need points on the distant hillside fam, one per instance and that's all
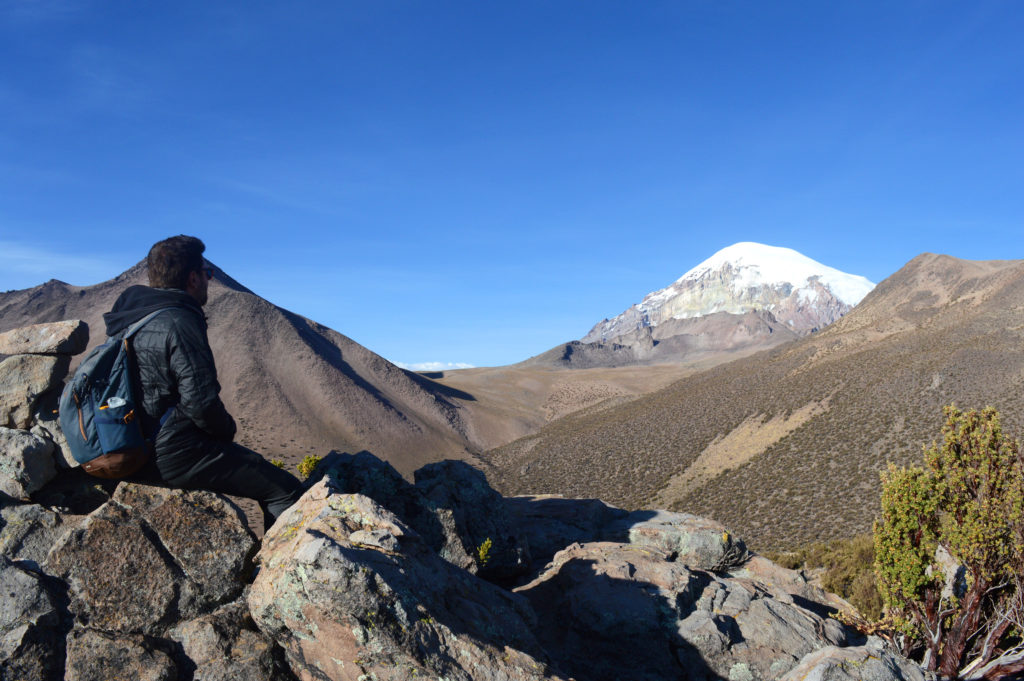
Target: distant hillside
(713, 338)
(295, 387)
(785, 446)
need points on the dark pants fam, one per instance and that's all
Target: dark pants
(239, 472)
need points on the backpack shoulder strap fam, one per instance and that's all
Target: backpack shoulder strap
(142, 322)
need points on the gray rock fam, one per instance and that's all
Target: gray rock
(26, 463)
(69, 337)
(494, 547)
(204, 533)
(609, 610)
(48, 427)
(152, 556)
(347, 611)
(226, 645)
(454, 516)
(31, 643)
(29, 531)
(23, 379)
(365, 474)
(871, 662)
(698, 542)
(101, 656)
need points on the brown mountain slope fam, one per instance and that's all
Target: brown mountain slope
(294, 386)
(785, 446)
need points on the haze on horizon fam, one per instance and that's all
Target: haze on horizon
(475, 184)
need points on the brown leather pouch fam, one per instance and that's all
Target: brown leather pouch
(117, 465)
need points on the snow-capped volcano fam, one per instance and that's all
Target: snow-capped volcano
(747, 277)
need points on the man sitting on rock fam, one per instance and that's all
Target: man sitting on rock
(178, 385)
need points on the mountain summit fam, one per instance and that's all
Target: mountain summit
(746, 277)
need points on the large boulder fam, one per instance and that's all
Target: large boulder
(102, 656)
(26, 463)
(226, 645)
(696, 542)
(31, 640)
(153, 556)
(493, 546)
(609, 610)
(68, 337)
(366, 474)
(870, 662)
(352, 592)
(451, 507)
(23, 379)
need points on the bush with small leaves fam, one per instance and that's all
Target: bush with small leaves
(949, 550)
(307, 465)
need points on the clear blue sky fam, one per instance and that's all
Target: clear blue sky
(479, 181)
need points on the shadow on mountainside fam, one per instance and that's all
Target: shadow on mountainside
(332, 354)
(423, 380)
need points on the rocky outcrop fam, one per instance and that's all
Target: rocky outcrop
(31, 378)
(153, 582)
(451, 507)
(482, 528)
(69, 337)
(678, 587)
(369, 576)
(179, 554)
(871, 662)
(350, 591)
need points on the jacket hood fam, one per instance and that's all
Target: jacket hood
(138, 301)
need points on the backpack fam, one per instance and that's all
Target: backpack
(98, 410)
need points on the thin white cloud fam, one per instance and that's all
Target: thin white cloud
(23, 266)
(39, 11)
(434, 366)
(105, 80)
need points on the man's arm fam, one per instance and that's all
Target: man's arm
(191, 363)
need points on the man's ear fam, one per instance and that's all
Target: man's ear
(193, 281)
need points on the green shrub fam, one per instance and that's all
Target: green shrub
(967, 504)
(847, 569)
(277, 462)
(483, 552)
(307, 465)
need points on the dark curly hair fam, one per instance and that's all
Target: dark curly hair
(170, 261)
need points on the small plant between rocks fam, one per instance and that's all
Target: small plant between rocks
(307, 465)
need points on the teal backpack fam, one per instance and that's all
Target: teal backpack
(99, 411)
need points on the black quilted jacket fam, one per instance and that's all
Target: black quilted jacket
(176, 371)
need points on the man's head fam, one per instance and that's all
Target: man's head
(178, 263)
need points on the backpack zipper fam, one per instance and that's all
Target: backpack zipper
(81, 424)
